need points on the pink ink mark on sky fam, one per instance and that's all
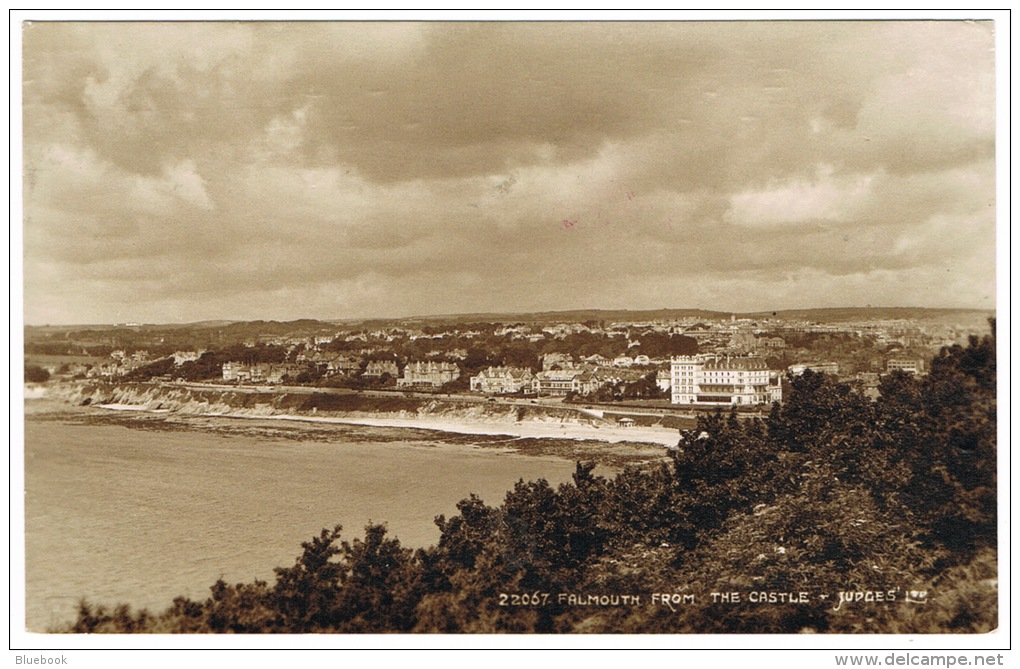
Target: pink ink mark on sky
(567, 224)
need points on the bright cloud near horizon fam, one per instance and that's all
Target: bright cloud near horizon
(179, 172)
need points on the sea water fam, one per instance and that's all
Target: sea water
(115, 514)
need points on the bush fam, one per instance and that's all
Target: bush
(36, 374)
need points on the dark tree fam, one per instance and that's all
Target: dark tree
(36, 374)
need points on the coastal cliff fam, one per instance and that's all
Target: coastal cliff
(259, 403)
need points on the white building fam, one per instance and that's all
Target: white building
(181, 357)
(261, 372)
(564, 381)
(720, 381)
(233, 370)
(819, 367)
(909, 366)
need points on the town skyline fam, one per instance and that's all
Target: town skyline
(564, 315)
(186, 172)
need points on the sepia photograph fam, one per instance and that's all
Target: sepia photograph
(511, 327)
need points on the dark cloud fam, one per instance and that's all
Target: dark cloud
(210, 170)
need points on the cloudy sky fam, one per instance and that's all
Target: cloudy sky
(186, 171)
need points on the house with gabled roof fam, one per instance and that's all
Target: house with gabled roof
(428, 374)
(564, 381)
(377, 368)
(344, 365)
(502, 380)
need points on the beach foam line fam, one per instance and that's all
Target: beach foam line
(523, 429)
(34, 392)
(131, 407)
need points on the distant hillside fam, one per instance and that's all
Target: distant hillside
(309, 326)
(572, 316)
(836, 314)
(823, 315)
(278, 328)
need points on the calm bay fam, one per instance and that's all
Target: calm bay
(115, 514)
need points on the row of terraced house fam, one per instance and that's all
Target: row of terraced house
(706, 380)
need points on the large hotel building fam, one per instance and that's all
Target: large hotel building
(720, 381)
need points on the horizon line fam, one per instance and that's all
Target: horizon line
(498, 314)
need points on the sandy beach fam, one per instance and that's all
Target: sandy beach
(521, 429)
(609, 445)
(508, 421)
(527, 429)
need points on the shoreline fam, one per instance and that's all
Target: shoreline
(614, 448)
(664, 437)
(522, 430)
